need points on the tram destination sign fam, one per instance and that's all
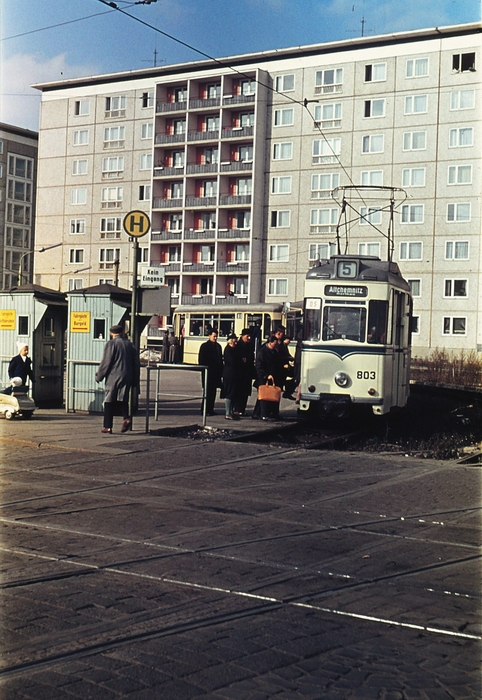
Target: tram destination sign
(343, 290)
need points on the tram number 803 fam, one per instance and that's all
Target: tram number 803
(366, 375)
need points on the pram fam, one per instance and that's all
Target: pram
(15, 401)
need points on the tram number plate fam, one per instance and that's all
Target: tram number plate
(366, 375)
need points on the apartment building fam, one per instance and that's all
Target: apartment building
(18, 172)
(236, 162)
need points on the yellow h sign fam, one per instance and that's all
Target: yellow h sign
(136, 223)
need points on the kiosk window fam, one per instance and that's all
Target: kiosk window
(99, 328)
(23, 325)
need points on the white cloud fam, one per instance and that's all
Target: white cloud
(19, 104)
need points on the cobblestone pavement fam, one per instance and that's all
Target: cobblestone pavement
(147, 567)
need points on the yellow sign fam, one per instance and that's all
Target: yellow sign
(7, 319)
(136, 223)
(80, 321)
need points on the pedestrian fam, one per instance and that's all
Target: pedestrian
(231, 376)
(165, 348)
(286, 360)
(268, 367)
(21, 365)
(173, 349)
(211, 355)
(245, 350)
(120, 368)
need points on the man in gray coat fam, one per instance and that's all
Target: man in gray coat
(120, 368)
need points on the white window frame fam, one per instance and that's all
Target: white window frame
(241, 252)
(457, 173)
(147, 99)
(279, 252)
(321, 251)
(281, 184)
(415, 67)
(325, 83)
(145, 161)
(370, 215)
(76, 256)
(82, 107)
(112, 166)
(107, 257)
(284, 116)
(459, 213)
(277, 286)
(457, 250)
(280, 149)
(80, 166)
(112, 196)
(415, 104)
(144, 193)
(370, 248)
(415, 287)
(413, 139)
(80, 137)
(375, 72)
(285, 83)
(77, 226)
(327, 115)
(460, 134)
(370, 143)
(280, 218)
(324, 220)
(114, 136)
(412, 214)
(75, 283)
(459, 97)
(147, 131)
(458, 62)
(78, 196)
(326, 150)
(449, 288)
(409, 177)
(408, 250)
(115, 105)
(110, 227)
(323, 184)
(372, 177)
(450, 325)
(374, 108)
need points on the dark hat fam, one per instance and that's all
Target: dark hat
(245, 331)
(116, 329)
(232, 336)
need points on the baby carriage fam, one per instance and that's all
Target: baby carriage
(15, 401)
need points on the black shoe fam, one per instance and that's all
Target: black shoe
(212, 413)
(288, 396)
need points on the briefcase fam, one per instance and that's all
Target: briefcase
(269, 391)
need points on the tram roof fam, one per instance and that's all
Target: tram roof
(228, 308)
(370, 269)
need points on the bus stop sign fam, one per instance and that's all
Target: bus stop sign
(136, 223)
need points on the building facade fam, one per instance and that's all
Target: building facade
(236, 162)
(18, 174)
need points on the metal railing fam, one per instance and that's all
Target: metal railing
(187, 397)
(71, 390)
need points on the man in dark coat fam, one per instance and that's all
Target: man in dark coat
(248, 371)
(211, 355)
(21, 365)
(269, 364)
(120, 368)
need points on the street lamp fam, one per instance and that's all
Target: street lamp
(72, 272)
(29, 252)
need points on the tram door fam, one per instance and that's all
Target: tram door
(400, 359)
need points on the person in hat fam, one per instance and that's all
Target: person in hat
(231, 376)
(21, 365)
(120, 367)
(247, 373)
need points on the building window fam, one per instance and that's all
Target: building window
(78, 196)
(455, 288)
(281, 184)
(113, 166)
(458, 212)
(280, 219)
(415, 287)
(370, 215)
(77, 226)
(20, 191)
(115, 106)
(175, 222)
(463, 62)
(460, 137)
(372, 177)
(114, 136)
(416, 104)
(415, 326)
(321, 251)
(284, 117)
(241, 252)
(454, 325)
(243, 220)
(111, 197)
(20, 167)
(413, 177)
(414, 140)
(283, 151)
(179, 126)
(369, 249)
(23, 325)
(373, 143)
(110, 227)
(147, 99)
(277, 286)
(82, 107)
(279, 252)
(107, 257)
(248, 87)
(243, 186)
(322, 184)
(240, 286)
(146, 161)
(147, 130)
(326, 151)
(81, 137)
(324, 220)
(207, 221)
(174, 253)
(75, 283)
(79, 167)
(144, 193)
(412, 213)
(460, 175)
(285, 83)
(375, 72)
(374, 108)
(456, 250)
(462, 99)
(76, 256)
(206, 253)
(328, 81)
(411, 250)
(416, 68)
(328, 116)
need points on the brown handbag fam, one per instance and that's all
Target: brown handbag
(269, 392)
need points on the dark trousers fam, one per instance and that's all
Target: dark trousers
(113, 407)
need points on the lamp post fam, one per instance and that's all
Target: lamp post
(29, 252)
(72, 272)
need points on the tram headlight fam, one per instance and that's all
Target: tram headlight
(342, 379)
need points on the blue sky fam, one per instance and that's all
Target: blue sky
(108, 41)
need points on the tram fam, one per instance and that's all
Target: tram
(193, 323)
(356, 336)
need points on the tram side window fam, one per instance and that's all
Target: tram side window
(226, 325)
(196, 325)
(345, 323)
(377, 322)
(312, 319)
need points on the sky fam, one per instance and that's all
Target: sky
(48, 40)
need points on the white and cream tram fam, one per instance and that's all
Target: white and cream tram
(356, 336)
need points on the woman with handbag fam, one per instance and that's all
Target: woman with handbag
(270, 378)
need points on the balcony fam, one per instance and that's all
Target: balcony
(171, 107)
(236, 165)
(205, 104)
(238, 132)
(161, 203)
(232, 267)
(203, 135)
(199, 234)
(197, 299)
(235, 200)
(238, 99)
(161, 171)
(170, 138)
(166, 236)
(200, 201)
(171, 267)
(207, 267)
(200, 169)
(237, 233)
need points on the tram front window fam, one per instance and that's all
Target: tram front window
(344, 323)
(377, 322)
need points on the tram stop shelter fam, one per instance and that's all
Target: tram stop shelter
(36, 316)
(91, 312)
